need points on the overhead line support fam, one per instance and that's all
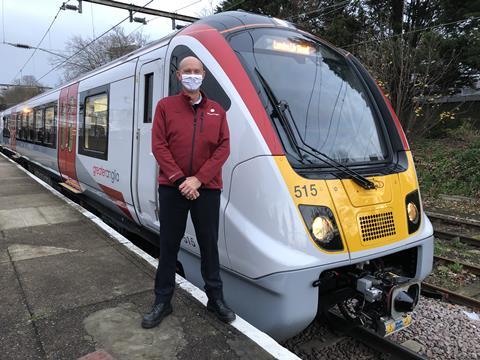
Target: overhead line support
(144, 10)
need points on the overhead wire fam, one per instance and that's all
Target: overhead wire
(335, 7)
(3, 19)
(40, 42)
(188, 5)
(233, 5)
(409, 32)
(91, 42)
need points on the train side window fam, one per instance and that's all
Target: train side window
(94, 133)
(31, 130)
(18, 122)
(63, 124)
(19, 125)
(6, 124)
(148, 98)
(71, 115)
(210, 85)
(49, 129)
(24, 126)
(38, 126)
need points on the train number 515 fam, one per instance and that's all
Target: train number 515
(301, 191)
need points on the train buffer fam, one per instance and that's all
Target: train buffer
(69, 290)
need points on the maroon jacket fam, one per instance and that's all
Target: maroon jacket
(188, 142)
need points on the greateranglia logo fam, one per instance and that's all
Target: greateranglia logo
(113, 175)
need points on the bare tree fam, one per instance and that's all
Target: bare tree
(26, 88)
(207, 10)
(87, 55)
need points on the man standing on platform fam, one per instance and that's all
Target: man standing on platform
(190, 140)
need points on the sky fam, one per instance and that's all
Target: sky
(26, 21)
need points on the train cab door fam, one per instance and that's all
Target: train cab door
(67, 136)
(150, 91)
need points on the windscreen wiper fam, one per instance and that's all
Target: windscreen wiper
(280, 108)
(280, 115)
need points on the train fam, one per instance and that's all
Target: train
(320, 209)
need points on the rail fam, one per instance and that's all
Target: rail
(371, 339)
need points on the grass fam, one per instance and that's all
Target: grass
(449, 165)
(457, 251)
(455, 268)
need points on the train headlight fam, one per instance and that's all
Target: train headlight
(413, 211)
(322, 227)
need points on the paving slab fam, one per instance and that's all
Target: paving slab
(17, 179)
(20, 218)
(14, 310)
(31, 200)
(79, 278)
(189, 333)
(34, 216)
(80, 235)
(4, 255)
(20, 252)
(8, 171)
(18, 188)
(20, 343)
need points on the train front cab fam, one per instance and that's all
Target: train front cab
(299, 234)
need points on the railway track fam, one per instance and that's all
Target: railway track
(470, 226)
(454, 220)
(451, 295)
(388, 348)
(450, 227)
(447, 235)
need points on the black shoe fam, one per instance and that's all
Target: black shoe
(156, 315)
(221, 310)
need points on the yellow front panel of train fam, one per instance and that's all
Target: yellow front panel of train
(366, 218)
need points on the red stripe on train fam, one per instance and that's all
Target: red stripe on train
(117, 198)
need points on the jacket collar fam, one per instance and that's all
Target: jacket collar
(187, 98)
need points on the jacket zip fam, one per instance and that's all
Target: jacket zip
(193, 141)
(201, 122)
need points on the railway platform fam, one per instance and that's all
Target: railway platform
(70, 290)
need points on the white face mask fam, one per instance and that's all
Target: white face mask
(192, 82)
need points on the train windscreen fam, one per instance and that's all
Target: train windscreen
(323, 99)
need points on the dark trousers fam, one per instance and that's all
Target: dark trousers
(174, 208)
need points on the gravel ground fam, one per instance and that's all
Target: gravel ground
(442, 330)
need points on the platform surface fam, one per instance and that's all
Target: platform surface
(69, 291)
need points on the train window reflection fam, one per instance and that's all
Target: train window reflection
(49, 138)
(38, 128)
(18, 120)
(30, 129)
(96, 123)
(6, 126)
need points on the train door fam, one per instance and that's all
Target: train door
(150, 91)
(67, 135)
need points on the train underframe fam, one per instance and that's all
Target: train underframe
(378, 294)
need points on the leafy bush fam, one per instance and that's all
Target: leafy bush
(450, 165)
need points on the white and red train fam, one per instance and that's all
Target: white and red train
(320, 205)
